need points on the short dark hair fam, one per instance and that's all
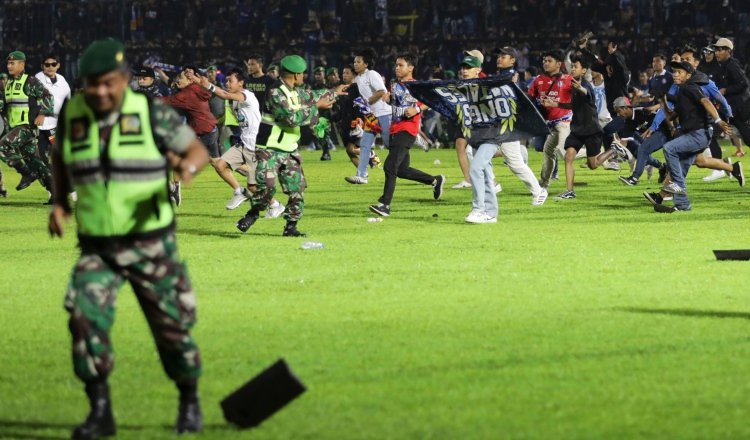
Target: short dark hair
(348, 66)
(367, 55)
(661, 56)
(239, 74)
(585, 62)
(690, 49)
(257, 57)
(409, 58)
(52, 56)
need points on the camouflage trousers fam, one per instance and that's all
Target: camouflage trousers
(20, 145)
(161, 284)
(287, 169)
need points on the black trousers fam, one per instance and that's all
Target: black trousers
(44, 147)
(397, 164)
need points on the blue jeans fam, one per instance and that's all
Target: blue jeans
(680, 153)
(654, 143)
(368, 140)
(482, 180)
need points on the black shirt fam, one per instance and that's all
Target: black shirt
(730, 76)
(260, 87)
(687, 103)
(585, 116)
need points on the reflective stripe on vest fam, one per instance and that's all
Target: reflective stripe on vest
(122, 187)
(17, 101)
(280, 137)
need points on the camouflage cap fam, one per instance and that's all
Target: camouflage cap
(17, 55)
(101, 57)
(272, 67)
(320, 69)
(293, 64)
(331, 71)
(212, 67)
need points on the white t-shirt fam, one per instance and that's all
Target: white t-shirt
(247, 113)
(60, 91)
(369, 82)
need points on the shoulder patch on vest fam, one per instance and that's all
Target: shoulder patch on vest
(79, 129)
(130, 123)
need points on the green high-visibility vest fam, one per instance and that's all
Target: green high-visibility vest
(17, 101)
(280, 137)
(229, 118)
(122, 186)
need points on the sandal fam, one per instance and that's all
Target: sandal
(739, 153)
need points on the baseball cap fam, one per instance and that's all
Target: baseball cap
(331, 71)
(684, 65)
(272, 67)
(319, 69)
(476, 54)
(471, 61)
(145, 72)
(724, 42)
(212, 67)
(708, 49)
(622, 101)
(507, 50)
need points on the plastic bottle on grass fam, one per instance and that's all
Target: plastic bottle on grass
(311, 245)
(374, 219)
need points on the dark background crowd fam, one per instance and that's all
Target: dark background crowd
(328, 31)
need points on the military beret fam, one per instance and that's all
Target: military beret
(101, 57)
(293, 64)
(331, 71)
(17, 55)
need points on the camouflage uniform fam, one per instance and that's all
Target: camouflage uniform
(282, 165)
(19, 146)
(158, 277)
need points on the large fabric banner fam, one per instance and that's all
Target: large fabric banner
(481, 102)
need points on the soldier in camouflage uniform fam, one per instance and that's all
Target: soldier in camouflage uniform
(125, 229)
(290, 106)
(26, 102)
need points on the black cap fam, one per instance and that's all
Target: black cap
(556, 54)
(145, 72)
(262, 396)
(684, 65)
(507, 50)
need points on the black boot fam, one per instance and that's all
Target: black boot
(100, 422)
(248, 220)
(189, 417)
(290, 230)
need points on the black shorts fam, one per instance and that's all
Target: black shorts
(592, 142)
(454, 130)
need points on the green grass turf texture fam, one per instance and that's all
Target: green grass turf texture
(589, 318)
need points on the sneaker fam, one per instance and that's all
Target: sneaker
(620, 151)
(479, 217)
(673, 188)
(715, 175)
(611, 165)
(539, 198)
(649, 171)
(653, 198)
(738, 174)
(437, 187)
(667, 209)
(325, 156)
(461, 185)
(374, 161)
(356, 180)
(245, 222)
(275, 211)
(630, 181)
(728, 160)
(3, 192)
(498, 188)
(381, 209)
(567, 195)
(662, 173)
(26, 181)
(237, 200)
(176, 194)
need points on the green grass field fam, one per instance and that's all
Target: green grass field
(593, 318)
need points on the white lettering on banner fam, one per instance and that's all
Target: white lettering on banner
(480, 105)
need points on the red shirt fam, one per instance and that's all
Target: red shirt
(559, 89)
(401, 99)
(193, 102)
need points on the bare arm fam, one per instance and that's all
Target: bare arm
(377, 96)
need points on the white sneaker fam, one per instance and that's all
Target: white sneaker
(479, 217)
(715, 175)
(611, 165)
(498, 188)
(236, 200)
(539, 199)
(275, 211)
(461, 185)
(356, 180)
